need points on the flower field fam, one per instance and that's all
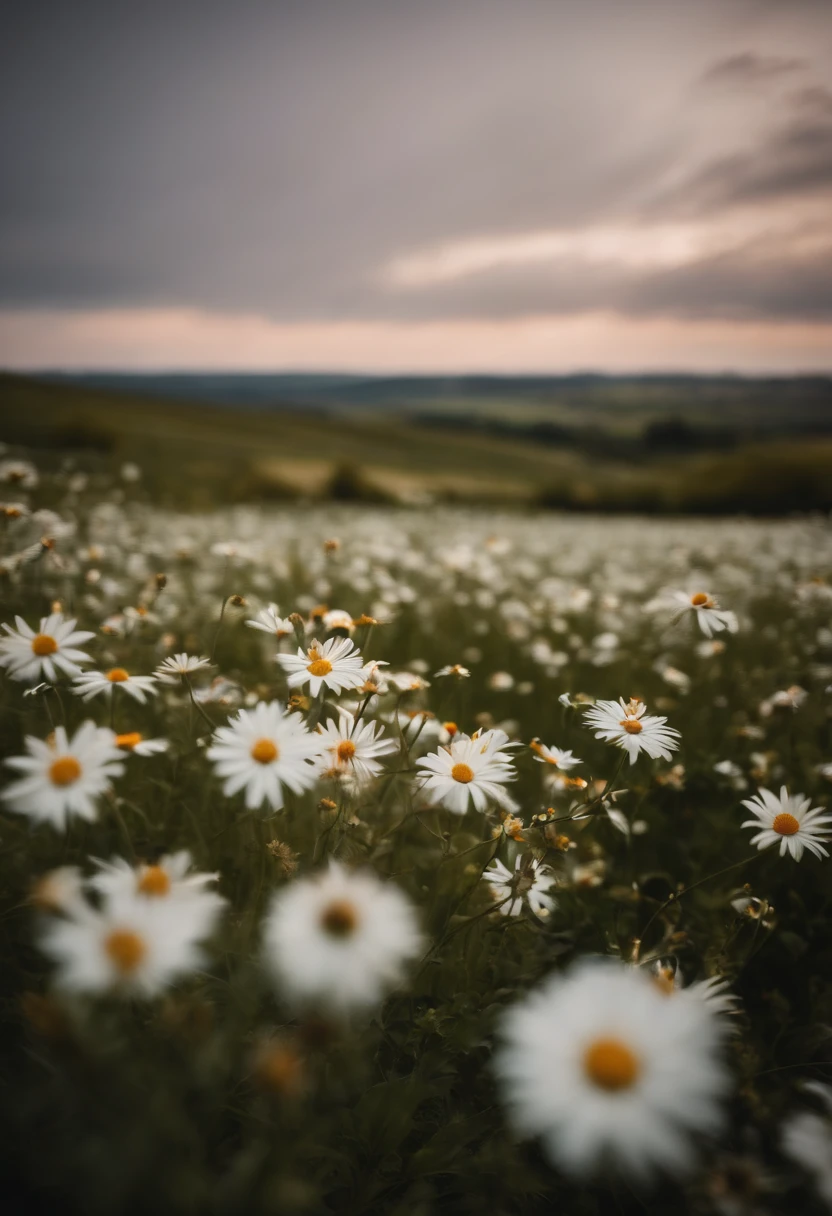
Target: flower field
(376, 860)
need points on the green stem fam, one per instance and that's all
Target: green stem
(676, 896)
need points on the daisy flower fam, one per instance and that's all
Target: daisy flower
(335, 664)
(133, 947)
(170, 878)
(261, 751)
(554, 755)
(714, 991)
(709, 616)
(339, 939)
(628, 726)
(807, 1140)
(455, 669)
(786, 820)
(269, 620)
(133, 741)
(180, 665)
(529, 883)
(468, 770)
(53, 650)
(62, 776)
(93, 683)
(338, 618)
(18, 473)
(355, 750)
(609, 1072)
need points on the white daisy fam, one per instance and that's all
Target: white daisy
(339, 939)
(53, 650)
(18, 473)
(270, 621)
(95, 683)
(133, 741)
(554, 755)
(335, 664)
(355, 750)
(710, 617)
(338, 618)
(807, 1139)
(714, 991)
(628, 726)
(609, 1072)
(529, 883)
(455, 669)
(170, 878)
(180, 665)
(262, 750)
(63, 777)
(134, 947)
(469, 770)
(787, 821)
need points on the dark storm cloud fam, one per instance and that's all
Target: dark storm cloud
(277, 158)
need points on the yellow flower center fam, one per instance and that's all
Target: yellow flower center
(631, 725)
(339, 919)
(700, 600)
(611, 1064)
(125, 949)
(117, 675)
(128, 741)
(462, 773)
(346, 750)
(785, 824)
(319, 667)
(64, 771)
(154, 881)
(264, 751)
(43, 645)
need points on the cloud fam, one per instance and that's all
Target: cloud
(327, 164)
(748, 68)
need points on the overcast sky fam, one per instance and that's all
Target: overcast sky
(417, 184)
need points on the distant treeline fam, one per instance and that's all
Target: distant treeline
(660, 437)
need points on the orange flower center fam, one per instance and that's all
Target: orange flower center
(339, 919)
(154, 881)
(64, 771)
(117, 675)
(125, 949)
(346, 750)
(128, 741)
(611, 1064)
(264, 751)
(785, 824)
(462, 773)
(43, 645)
(700, 600)
(631, 725)
(319, 667)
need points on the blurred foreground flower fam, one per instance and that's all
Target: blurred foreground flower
(339, 939)
(610, 1073)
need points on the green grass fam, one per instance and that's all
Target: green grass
(195, 456)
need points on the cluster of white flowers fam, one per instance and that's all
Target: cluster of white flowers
(614, 1066)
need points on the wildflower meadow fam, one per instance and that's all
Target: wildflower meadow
(411, 859)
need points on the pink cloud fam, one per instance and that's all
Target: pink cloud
(148, 339)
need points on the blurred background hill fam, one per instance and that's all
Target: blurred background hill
(688, 444)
